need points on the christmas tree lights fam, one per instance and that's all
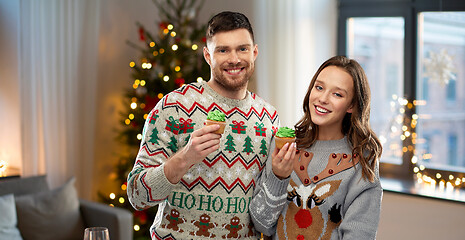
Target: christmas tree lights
(169, 58)
(433, 179)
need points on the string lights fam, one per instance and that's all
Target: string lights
(434, 180)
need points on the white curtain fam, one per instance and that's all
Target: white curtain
(294, 37)
(58, 74)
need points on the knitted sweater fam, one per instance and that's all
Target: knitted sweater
(325, 197)
(212, 199)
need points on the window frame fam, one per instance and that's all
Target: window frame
(409, 10)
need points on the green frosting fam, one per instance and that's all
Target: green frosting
(216, 116)
(285, 132)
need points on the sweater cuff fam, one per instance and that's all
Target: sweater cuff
(160, 186)
(275, 187)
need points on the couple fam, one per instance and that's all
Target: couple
(237, 185)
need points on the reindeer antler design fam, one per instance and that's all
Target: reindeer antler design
(301, 162)
(337, 163)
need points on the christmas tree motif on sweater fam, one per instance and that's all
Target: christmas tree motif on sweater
(154, 137)
(187, 139)
(237, 127)
(263, 149)
(260, 130)
(230, 144)
(173, 144)
(248, 146)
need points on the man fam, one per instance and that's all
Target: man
(201, 181)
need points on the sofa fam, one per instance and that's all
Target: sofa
(34, 211)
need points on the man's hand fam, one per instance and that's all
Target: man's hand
(283, 160)
(201, 143)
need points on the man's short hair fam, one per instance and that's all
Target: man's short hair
(228, 21)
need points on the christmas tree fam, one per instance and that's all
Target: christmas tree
(169, 57)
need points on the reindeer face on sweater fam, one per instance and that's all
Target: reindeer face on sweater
(303, 219)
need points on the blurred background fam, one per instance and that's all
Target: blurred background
(78, 78)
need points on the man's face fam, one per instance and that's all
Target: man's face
(231, 56)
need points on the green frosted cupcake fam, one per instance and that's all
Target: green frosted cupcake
(284, 135)
(216, 117)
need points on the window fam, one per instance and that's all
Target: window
(377, 43)
(413, 53)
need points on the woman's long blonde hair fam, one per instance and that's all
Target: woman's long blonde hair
(356, 125)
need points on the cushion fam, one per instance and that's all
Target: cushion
(50, 214)
(21, 186)
(8, 220)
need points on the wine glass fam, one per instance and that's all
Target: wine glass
(96, 233)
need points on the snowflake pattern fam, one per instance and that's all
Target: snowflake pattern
(203, 100)
(220, 169)
(246, 176)
(439, 67)
(229, 175)
(199, 169)
(188, 176)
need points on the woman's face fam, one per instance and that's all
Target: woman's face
(331, 98)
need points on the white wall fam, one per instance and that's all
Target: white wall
(406, 217)
(295, 38)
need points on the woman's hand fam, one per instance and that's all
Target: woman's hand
(283, 160)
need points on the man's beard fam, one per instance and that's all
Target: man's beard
(231, 83)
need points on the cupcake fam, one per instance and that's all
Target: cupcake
(216, 117)
(283, 136)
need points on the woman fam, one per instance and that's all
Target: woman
(329, 188)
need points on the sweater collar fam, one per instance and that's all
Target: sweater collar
(228, 101)
(331, 144)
